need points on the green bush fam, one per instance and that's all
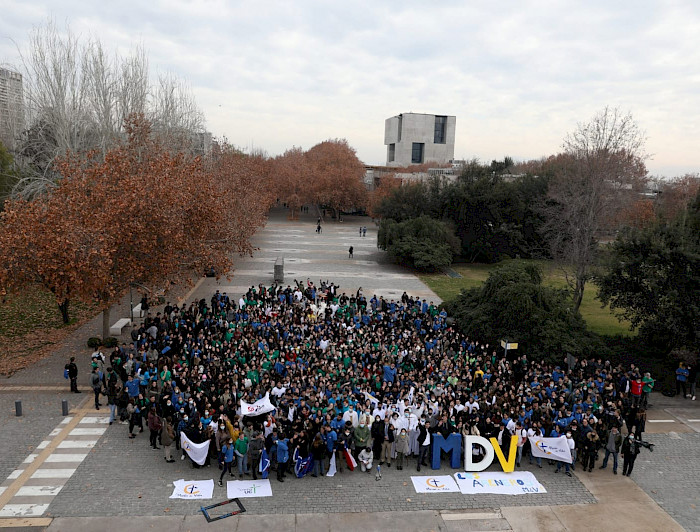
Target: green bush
(422, 243)
(94, 342)
(110, 342)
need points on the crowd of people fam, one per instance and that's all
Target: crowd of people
(376, 377)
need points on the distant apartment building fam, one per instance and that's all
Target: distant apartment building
(416, 138)
(11, 107)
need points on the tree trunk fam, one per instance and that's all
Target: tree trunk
(578, 292)
(105, 323)
(63, 307)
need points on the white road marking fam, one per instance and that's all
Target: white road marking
(23, 510)
(87, 432)
(29, 459)
(38, 491)
(15, 474)
(43, 444)
(76, 444)
(661, 420)
(54, 473)
(66, 458)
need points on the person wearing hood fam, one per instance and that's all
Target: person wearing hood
(590, 450)
(401, 448)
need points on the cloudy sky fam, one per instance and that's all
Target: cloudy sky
(518, 75)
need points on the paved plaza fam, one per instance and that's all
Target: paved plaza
(79, 473)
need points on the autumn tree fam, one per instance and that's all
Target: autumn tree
(336, 175)
(387, 184)
(137, 214)
(600, 172)
(291, 174)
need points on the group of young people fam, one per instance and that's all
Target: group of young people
(374, 378)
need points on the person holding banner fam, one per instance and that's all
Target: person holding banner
(572, 445)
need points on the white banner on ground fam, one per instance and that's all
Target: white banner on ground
(193, 489)
(516, 483)
(551, 448)
(197, 451)
(248, 488)
(435, 484)
(261, 406)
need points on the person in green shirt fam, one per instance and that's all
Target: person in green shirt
(648, 383)
(241, 450)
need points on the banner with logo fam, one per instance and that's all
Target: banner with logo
(551, 448)
(435, 484)
(197, 451)
(516, 483)
(248, 488)
(193, 489)
(261, 406)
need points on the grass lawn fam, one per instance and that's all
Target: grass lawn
(599, 320)
(30, 324)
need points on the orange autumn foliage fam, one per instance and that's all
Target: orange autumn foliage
(139, 214)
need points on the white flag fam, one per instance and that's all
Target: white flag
(193, 489)
(551, 448)
(371, 398)
(261, 406)
(197, 451)
(331, 467)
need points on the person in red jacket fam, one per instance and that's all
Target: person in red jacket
(636, 390)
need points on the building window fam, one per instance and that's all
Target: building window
(392, 152)
(417, 153)
(400, 127)
(440, 129)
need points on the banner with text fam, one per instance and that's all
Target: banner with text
(197, 451)
(551, 448)
(516, 483)
(261, 406)
(434, 484)
(248, 488)
(193, 489)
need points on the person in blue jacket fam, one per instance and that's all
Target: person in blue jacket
(227, 453)
(282, 457)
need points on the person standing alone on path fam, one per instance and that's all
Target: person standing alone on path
(350, 252)
(73, 371)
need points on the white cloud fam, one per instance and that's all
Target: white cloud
(518, 75)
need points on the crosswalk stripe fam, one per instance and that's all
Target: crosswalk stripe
(76, 444)
(54, 473)
(38, 491)
(21, 510)
(66, 458)
(87, 432)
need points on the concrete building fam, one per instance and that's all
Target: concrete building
(11, 107)
(416, 138)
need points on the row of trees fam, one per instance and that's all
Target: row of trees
(135, 213)
(77, 97)
(328, 174)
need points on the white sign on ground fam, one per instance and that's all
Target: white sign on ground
(516, 483)
(435, 484)
(248, 488)
(193, 489)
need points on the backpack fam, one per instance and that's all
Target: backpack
(65, 373)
